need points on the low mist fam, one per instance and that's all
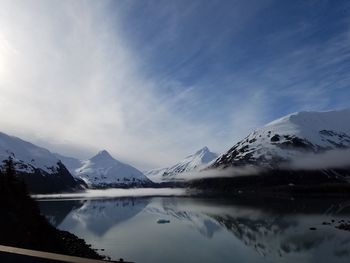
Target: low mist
(219, 173)
(327, 160)
(332, 159)
(110, 193)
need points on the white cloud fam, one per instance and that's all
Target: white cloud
(69, 79)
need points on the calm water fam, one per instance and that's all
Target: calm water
(208, 230)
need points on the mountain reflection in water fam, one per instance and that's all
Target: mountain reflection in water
(208, 230)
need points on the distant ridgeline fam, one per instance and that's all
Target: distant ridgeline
(45, 172)
(180, 170)
(304, 148)
(22, 225)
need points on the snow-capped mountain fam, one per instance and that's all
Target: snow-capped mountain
(192, 162)
(286, 138)
(38, 167)
(103, 170)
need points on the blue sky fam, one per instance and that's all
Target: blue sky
(231, 49)
(153, 81)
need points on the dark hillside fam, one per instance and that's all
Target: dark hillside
(22, 225)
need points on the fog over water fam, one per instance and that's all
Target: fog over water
(109, 193)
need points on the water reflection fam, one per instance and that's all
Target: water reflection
(96, 216)
(209, 230)
(56, 212)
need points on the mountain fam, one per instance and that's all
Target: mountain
(42, 171)
(70, 162)
(102, 170)
(285, 138)
(272, 155)
(192, 162)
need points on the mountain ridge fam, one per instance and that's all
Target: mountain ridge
(285, 138)
(193, 162)
(102, 170)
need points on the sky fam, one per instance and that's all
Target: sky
(154, 81)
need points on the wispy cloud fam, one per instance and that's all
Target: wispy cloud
(69, 78)
(153, 82)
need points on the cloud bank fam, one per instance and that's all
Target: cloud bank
(331, 159)
(113, 193)
(248, 170)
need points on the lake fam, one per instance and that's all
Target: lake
(239, 229)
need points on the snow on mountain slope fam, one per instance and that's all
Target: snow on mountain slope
(103, 170)
(38, 167)
(285, 138)
(192, 162)
(27, 156)
(156, 175)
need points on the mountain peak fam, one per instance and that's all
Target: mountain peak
(104, 170)
(193, 162)
(308, 118)
(104, 152)
(286, 137)
(102, 155)
(203, 150)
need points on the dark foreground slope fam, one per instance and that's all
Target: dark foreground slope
(40, 182)
(40, 169)
(22, 225)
